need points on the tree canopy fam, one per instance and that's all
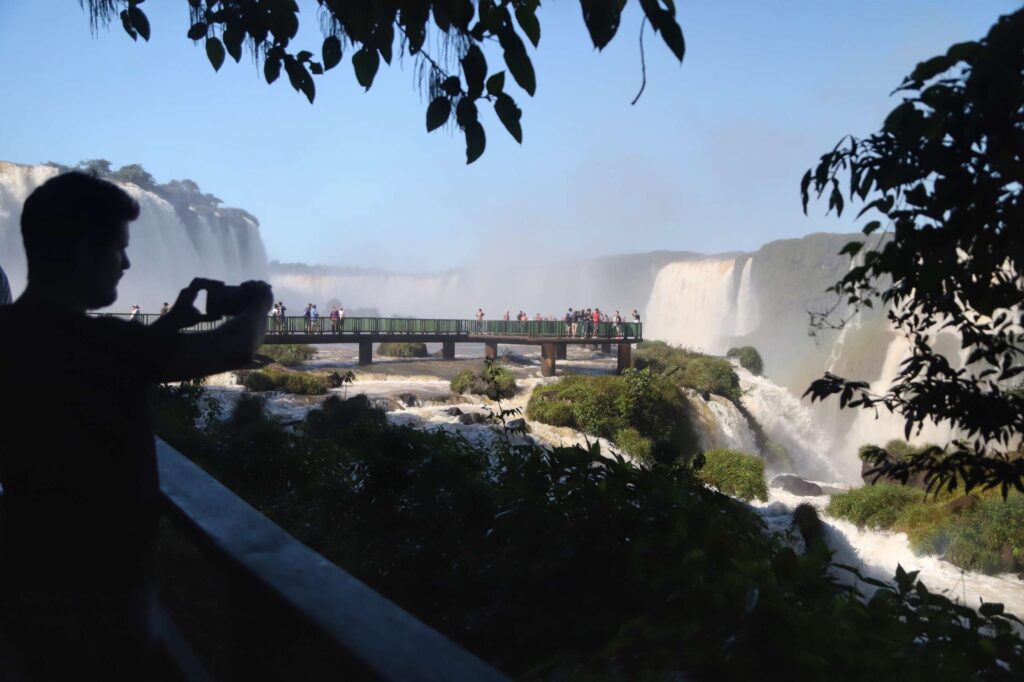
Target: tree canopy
(941, 185)
(447, 39)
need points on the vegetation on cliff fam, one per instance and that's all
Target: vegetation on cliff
(734, 473)
(977, 531)
(641, 412)
(689, 369)
(749, 359)
(672, 576)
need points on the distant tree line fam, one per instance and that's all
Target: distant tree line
(188, 200)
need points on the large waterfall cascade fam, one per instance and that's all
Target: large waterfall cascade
(165, 254)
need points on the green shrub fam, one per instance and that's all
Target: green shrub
(712, 375)
(279, 379)
(608, 406)
(734, 473)
(463, 381)
(978, 532)
(636, 446)
(748, 358)
(500, 383)
(549, 410)
(689, 369)
(288, 354)
(497, 383)
(874, 506)
(404, 349)
(991, 537)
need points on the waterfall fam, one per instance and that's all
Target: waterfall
(164, 254)
(746, 303)
(691, 305)
(731, 429)
(792, 424)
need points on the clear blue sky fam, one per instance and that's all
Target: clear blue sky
(709, 159)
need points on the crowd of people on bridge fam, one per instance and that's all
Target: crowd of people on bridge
(579, 322)
(311, 319)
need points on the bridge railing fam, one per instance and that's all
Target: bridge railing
(398, 326)
(289, 600)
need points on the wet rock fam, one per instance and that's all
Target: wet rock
(961, 504)
(452, 411)
(386, 404)
(516, 424)
(1007, 562)
(806, 520)
(794, 485)
(469, 418)
(408, 399)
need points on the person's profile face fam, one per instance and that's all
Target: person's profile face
(101, 267)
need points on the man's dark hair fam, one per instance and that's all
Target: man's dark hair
(67, 211)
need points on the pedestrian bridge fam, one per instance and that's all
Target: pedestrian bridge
(553, 336)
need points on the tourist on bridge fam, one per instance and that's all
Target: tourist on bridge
(341, 318)
(165, 308)
(479, 319)
(314, 320)
(5, 289)
(135, 315)
(282, 317)
(505, 316)
(636, 316)
(335, 328)
(617, 321)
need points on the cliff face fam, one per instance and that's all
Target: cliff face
(175, 239)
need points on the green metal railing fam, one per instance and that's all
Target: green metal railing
(398, 326)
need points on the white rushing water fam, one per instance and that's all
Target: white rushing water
(790, 422)
(692, 305)
(164, 253)
(876, 554)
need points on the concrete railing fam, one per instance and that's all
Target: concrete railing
(368, 636)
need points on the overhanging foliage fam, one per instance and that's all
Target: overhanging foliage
(447, 39)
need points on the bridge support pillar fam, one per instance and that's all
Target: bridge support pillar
(365, 352)
(561, 351)
(548, 351)
(447, 350)
(606, 348)
(625, 357)
(491, 350)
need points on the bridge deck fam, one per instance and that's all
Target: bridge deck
(294, 329)
(551, 335)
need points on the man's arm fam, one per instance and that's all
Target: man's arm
(227, 347)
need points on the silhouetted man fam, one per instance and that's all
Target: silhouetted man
(5, 288)
(77, 455)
